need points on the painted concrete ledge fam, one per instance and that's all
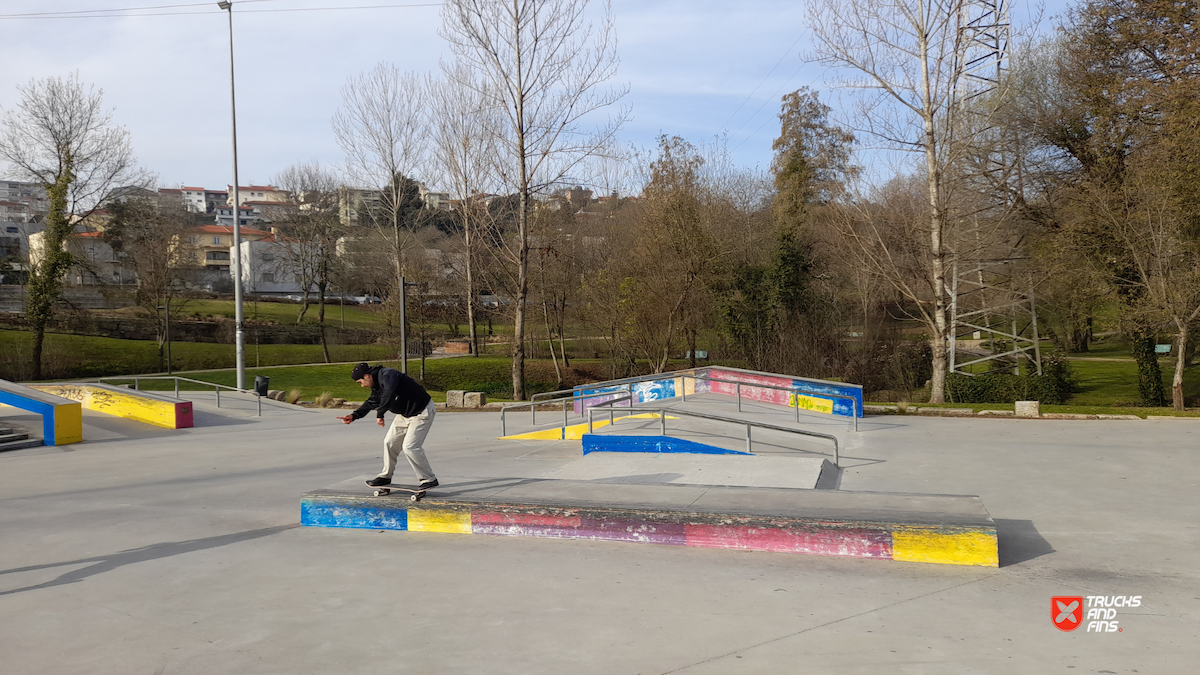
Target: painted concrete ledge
(947, 529)
(62, 419)
(140, 406)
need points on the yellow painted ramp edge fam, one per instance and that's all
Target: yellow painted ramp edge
(573, 432)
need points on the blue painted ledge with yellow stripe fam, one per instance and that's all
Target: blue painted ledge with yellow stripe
(62, 419)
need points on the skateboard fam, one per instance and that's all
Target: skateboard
(415, 494)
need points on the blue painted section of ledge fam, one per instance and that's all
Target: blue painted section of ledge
(661, 444)
(320, 514)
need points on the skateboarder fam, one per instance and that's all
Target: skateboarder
(393, 391)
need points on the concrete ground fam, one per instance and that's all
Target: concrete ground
(153, 551)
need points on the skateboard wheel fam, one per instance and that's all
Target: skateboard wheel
(380, 493)
(415, 498)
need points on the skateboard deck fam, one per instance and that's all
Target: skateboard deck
(415, 494)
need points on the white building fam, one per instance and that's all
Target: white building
(258, 193)
(268, 267)
(97, 262)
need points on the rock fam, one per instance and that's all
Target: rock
(880, 409)
(454, 398)
(474, 399)
(1028, 408)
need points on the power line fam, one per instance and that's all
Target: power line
(55, 15)
(751, 94)
(138, 11)
(760, 127)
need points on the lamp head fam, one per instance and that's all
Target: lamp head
(224, 4)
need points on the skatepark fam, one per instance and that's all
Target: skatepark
(240, 544)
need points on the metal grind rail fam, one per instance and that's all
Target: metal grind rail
(216, 387)
(663, 412)
(533, 403)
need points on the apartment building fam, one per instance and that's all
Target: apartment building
(97, 263)
(210, 245)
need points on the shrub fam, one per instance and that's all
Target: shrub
(1053, 386)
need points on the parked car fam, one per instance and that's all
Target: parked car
(367, 299)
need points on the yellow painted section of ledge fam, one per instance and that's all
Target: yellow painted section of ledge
(434, 520)
(68, 424)
(573, 432)
(129, 406)
(965, 548)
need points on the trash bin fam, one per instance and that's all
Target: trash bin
(262, 384)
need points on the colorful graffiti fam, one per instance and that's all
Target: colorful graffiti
(830, 398)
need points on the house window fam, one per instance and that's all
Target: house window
(193, 239)
(12, 230)
(216, 241)
(217, 255)
(268, 277)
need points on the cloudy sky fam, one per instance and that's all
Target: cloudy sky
(694, 68)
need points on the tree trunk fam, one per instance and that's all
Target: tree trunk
(1181, 342)
(562, 342)
(321, 321)
(550, 342)
(471, 295)
(937, 392)
(1150, 386)
(45, 283)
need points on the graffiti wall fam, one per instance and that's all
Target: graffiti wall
(831, 398)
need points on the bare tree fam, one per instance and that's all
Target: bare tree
(541, 63)
(907, 55)
(149, 232)
(308, 250)
(463, 135)
(60, 136)
(382, 127)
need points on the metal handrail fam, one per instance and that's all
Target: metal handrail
(574, 395)
(532, 404)
(793, 390)
(216, 387)
(662, 414)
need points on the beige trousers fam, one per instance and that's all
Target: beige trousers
(407, 434)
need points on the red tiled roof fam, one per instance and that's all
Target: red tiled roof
(227, 229)
(90, 235)
(170, 190)
(195, 189)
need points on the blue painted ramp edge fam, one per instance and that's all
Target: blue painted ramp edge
(664, 444)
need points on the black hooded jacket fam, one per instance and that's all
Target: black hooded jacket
(394, 392)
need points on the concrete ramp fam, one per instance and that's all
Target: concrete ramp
(946, 529)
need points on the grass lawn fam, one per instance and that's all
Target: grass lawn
(75, 356)
(357, 316)
(489, 374)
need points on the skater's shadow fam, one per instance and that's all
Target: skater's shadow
(102, 564)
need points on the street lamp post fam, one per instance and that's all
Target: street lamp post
(239, 318)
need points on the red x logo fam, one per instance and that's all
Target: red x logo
(1066, 611)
